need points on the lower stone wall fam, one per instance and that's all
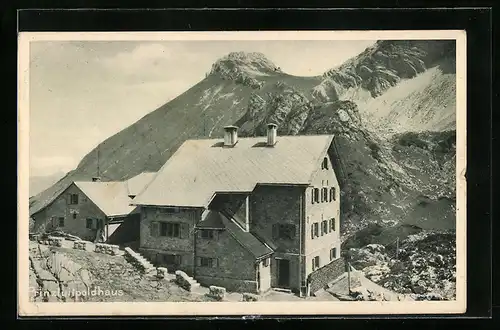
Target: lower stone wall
(153, 256)
(321, 277)
(228, 283)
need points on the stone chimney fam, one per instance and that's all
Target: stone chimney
(230, 136)
(271, 134)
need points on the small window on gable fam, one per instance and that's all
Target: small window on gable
(324, 164)
(73, 199)
(61, 221)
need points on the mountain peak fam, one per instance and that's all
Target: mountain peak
(236, 65)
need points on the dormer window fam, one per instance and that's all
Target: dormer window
(324, 164)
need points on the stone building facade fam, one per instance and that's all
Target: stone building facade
(246, 214)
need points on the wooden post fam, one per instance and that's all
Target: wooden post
(397, 248)
(349, 277)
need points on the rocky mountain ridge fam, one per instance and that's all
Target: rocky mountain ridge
(381, 174)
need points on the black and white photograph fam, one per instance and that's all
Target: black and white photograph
(281, 172)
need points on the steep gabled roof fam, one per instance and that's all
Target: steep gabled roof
(201, 168)
(137, 183)
(211, 219)
(111, 197)
(246, 239)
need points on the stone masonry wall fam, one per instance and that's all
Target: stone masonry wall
(321, 277)
(232, 260)
(271, 205)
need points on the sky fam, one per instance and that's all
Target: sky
(82, 92)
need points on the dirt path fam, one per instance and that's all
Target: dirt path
(360, 283)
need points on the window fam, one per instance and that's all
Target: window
(324, 164)
(73, 199)
(324, 194)
(265, 263)
(284, 231)
(316, 195)
(89, 223)
(315, 263)
(206, 262)
(206, 233)
(172, 259)
(74, 215)
(61, 221)
(333, 253)
(315, 230)
(324, 227)
(332, 194)
(332, 224)
(170, 229)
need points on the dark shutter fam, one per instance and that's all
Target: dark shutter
(312, 196)
(312, 231)
(155, 228)
(184, 230)
(333, 224)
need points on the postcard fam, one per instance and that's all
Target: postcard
(242, 173)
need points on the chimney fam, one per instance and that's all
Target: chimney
(96, 179)
(271, 134)
(230, 136)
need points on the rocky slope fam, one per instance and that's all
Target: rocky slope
(424, 266)
(388, 179)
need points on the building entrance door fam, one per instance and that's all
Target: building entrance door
(283, 267)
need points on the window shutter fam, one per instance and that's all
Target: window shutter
(184, 230)
(312, 231)
(198, 261)
(312, 196)
(216, 235)
(333, 224)
(155, 229)
(216, 263)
